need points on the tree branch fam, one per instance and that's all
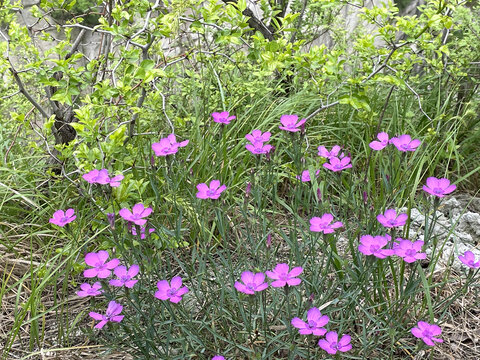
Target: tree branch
(255, 23)
(25, 93)
(76, 44)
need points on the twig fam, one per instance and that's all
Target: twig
(164, 108)
(323, 107)
(416, 95)
(147, 20)
(21, 87)
(99, 31)
(299, 21)
(25, 93)
(9, 96)
(212, 25)
(76, 44)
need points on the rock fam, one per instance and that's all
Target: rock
(457, 229)
(469, 223)
(452, 207)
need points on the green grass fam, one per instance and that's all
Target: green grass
(377, 302)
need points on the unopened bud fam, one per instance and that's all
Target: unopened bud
(248, 189)
(111, 220)
(269, 241)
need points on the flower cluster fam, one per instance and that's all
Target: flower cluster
(281, 274)
(102, 269)
(101, 177)
(250, 283)
(403, 142)
(257, 142)
(315, 326)
(375, 245)
(336, 161)
(168, 146)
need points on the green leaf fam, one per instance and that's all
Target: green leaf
(147, 64)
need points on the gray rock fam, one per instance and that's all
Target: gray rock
(469, 223)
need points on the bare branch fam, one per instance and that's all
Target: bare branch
(299, 21)
(25, 93)
(212, 25)
(76, 44)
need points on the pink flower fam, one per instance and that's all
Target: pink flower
(405, 143)
(223, 117)
(305, 177)
(426, 332)
(101, 268)
(390, 219)
(323, 224)
(101, 177)
(168, 146)
(409, 251)
(372, 245)
(337, 164)
(468, 258)
(251, 283)
(115, 181)
(142, 232)
(62, 218)
(137, 214)
(173, 292)
(291, 123)
(379, 145)
(257, 136)
(323, 152)
(218, 357)
(97, 177)
(112, 314)
(88, 290)
(314, 324)
(331, 344)
(124, 277)
(438, 187)
(283, 276)
(210, 192)
(258, 148)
